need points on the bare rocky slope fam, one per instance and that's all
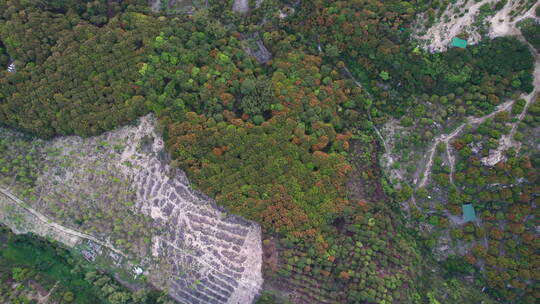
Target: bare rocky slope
(184, 241)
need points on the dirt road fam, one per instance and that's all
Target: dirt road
(48, 222)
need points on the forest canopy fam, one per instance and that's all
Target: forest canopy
(276, 113)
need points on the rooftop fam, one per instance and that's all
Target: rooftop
(458, 42)
(468, 213)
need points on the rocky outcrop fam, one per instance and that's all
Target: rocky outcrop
(254, 46)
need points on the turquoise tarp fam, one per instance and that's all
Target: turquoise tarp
(468, 213)
(458, 42)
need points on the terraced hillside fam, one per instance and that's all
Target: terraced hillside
(119, 189)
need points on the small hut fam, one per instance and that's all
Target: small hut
(11, 66)
(468, 213)
(459, 43)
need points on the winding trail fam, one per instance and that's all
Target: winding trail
(451, 163)
(45, 299)
(503, 24)
(506, 141)
(57, 226)
(445, 138)
(386, 145)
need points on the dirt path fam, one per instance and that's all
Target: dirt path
(57, 226)
(446, 138)
(443, 138)
(502, 23)
(451, 163)
(387, 149)
(501, 26)
(506, 140)
(45, 299)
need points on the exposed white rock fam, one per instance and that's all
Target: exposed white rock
(217, 244)
(155, 5)
(494, 157)
(462, 16)
(199, 252)
(242, 6)
(502, 24)
(11, 67)
(439, 36)
(286, 12)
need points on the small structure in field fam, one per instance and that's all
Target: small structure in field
(459, 43)
(137, 271)
(90, 251)
(468, 213)
(11, 66)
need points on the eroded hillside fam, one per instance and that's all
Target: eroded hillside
(117, 193)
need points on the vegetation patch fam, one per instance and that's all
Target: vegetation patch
(33, 269)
